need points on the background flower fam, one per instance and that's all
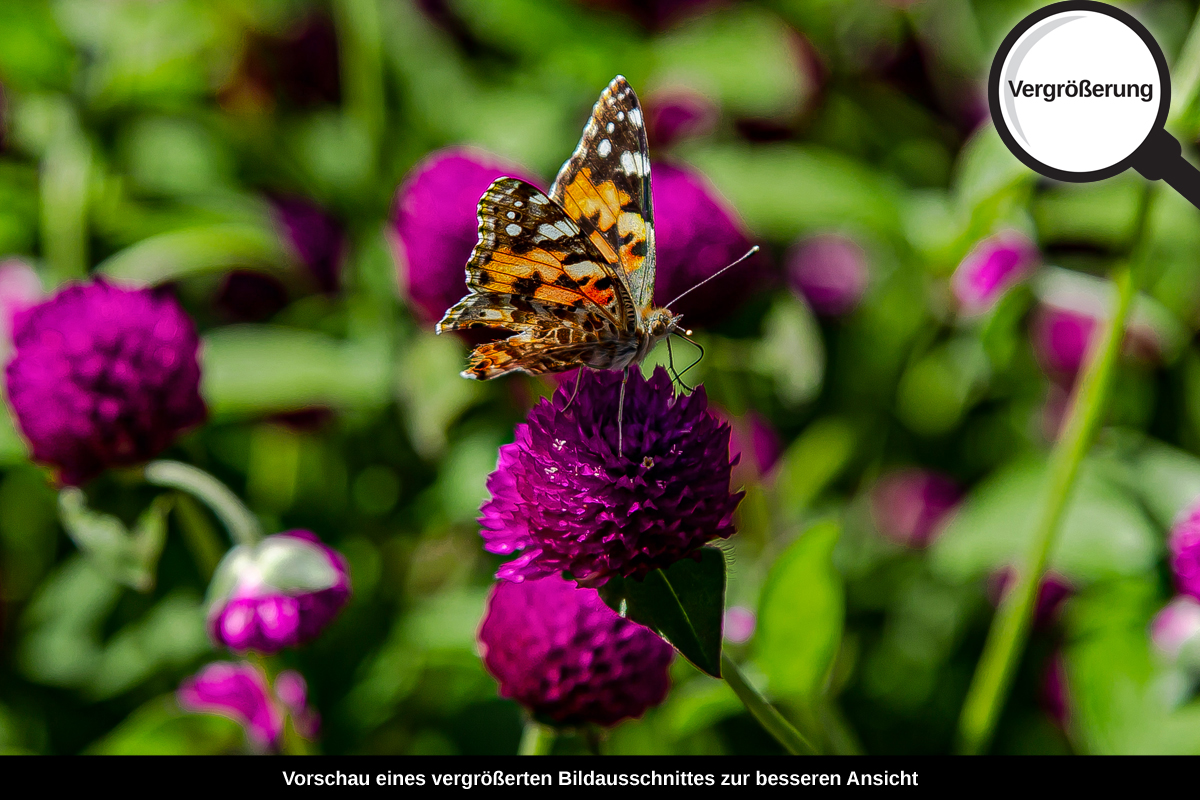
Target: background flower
(279, 593)
(992, 266)
(567, 657)
(908, 505)
(103, 376)
(830, 272)
(238, 691)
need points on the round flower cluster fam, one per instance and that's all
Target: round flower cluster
(565, 498)
(569, 658)
(278, 593)
(103, 376)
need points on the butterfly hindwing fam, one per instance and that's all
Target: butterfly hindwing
(605, 189)
(532, 262)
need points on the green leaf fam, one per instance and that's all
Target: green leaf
(197, 251)
(800, 616)
(815, 459)
(1104, 532)
(127, 558)
(259, 369)
(684, 604)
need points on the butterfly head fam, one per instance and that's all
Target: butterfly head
(662, 322)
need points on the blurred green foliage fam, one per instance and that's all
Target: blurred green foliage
(145, 139)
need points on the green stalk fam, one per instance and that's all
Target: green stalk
(1010, 627)
(242, 525)
(766, 714)
(536, 740)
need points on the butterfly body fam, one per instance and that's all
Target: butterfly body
(570, 273)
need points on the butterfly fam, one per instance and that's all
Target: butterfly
(570, 273)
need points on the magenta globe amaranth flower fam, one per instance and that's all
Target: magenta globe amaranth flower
(909, 505)
(103, 376)
(435, 228)
(280, 592)
(830, 272)
(564, 498)
(678, 113)
(239, 692)
(1184, 546)
(696, 235)
(316, 239)
(567, 657)
(991, 268)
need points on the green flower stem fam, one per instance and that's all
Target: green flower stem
(537, 740)
(242, 525)
(766, 714)
(1010, 626)
(201, 538)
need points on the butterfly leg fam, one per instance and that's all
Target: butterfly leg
(578, 377)
(621, 414)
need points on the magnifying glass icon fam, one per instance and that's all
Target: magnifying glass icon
(1079, 91)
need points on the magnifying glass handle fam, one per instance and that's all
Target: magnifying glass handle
(1161, 158)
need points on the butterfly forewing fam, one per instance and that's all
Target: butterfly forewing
(533, 266)
(605, 189)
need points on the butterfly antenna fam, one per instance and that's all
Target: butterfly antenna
(578, 377)
(671, 366)
(749, 253)
(621, 415)
(693, 343)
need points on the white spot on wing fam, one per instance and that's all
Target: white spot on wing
(511, 215)
(605, 147)
(610, 127)
(621, 116)
(539, 199)
(567, 227)
(635, 116)
(512, 229)
(519, 204)
(628, 164)
(549, 231)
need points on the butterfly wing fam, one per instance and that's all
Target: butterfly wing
(605, 189)
(534, 272)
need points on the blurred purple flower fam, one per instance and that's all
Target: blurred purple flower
(565, 499)
(830, 272)
(103, 376)
(246, 296)
(298, 69)
(567, 657)
(279, 593)
(995, 264)
(1052, 592)
(1055, 695)
(1184, 545)
(1176, 625)
(909, 505)
(739, 624)
(754, 441)
(315, 236)
(435, 228)
(678, 113)
(292, 691)
(658, 15)
(238, 691)
(1061, 339)
(696, 235)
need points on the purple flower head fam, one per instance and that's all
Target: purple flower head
(292, 691)
(316, 238)
(695, 236)
(565, 499)
(103, 376)
(246, 296)
(297, 69)
(1184, 545)
(754, 441)
(830, 272)
(278, 593)
(909, 505)
(739, 624)
(1052, 592)
(435, 227)
(239, 692)
(1061, 339)
(567, 657)
(1177, 626)
(995, 264)
(675, 114)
